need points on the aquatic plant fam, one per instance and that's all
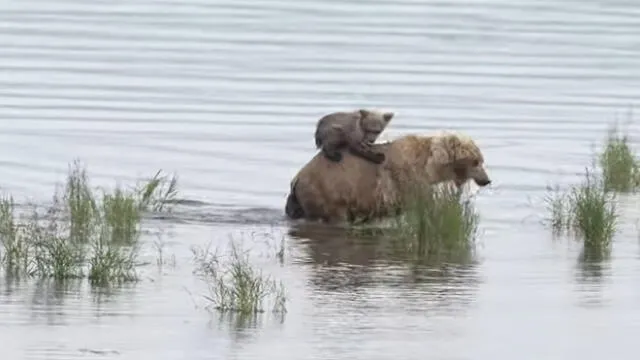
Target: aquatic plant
(594, 215)
(123, 209)
(157, 193)
(159, 245)
(620, 167)
(436, 223)
(234, 284)
(557, 206)
(15, 250)
(122, 213)
(111, 262)
(55, 253)
(83, 235)
(80, 203)
(586, 210)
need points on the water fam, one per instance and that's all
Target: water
(226, 94)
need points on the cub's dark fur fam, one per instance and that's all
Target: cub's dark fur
(356, 130)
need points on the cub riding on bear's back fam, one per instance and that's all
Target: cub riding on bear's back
(356, 130)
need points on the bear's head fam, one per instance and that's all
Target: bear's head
(373, 123)
(458, 158)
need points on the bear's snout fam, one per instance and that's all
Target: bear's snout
(483, 182)
(480, 176)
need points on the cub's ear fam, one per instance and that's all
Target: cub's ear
(388, 116)
(364, 113)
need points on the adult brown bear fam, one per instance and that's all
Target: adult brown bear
(356, 189)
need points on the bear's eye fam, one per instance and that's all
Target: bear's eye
(475, 163)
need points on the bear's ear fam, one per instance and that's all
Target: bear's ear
(364, 113)
(388, 116)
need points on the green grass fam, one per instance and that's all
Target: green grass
(234, 284)
(620, 167)
(122, 213)
(81, 234)
(557, 205)
(586, 210)
(109, 262)
(437, 224)
(15, 255)
(158, 193)
(594, 213)
(80, 202)
(54, 254)
(123, 209)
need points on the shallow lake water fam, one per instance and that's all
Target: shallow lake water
(226, 94)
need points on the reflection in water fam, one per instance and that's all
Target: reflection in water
(105, 298)
(245, 328)
(593, 270)
(344, 262)
(58, 301)
(593, 264)
(49, 298)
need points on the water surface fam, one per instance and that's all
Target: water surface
(226, 94)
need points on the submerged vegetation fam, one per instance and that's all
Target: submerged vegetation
(81, 234)
(235, 285)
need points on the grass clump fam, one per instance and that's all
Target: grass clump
(123, 209)
(234, 284)
(620, 167)
(586, 210)
(122, 213)
(594, 212)
(80, 203)
(110, 262)
(437, 224)
(81, 234)
(16, 250)
(56, 254)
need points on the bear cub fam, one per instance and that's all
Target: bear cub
(355, 130)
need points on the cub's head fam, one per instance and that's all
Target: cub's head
(373, 123)
(456, 157)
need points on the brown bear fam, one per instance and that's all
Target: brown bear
(355, 188)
